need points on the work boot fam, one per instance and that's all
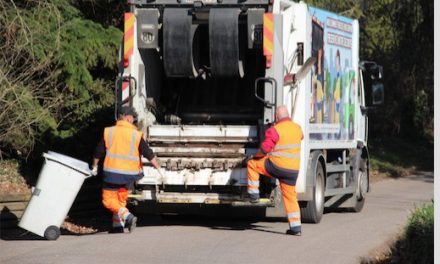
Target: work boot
(253, 198)
(293, 233)
(116, 230)
(130, 222)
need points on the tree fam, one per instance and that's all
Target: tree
(53, 70)
(399, 35)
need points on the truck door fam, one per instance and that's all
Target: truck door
(362, 125)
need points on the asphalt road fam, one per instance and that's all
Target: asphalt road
(341, 237)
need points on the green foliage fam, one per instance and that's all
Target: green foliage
(422, 115)
(22, 117)
(418, 240)
(86, 45)
(54, 70)
(399, 36)
(416, 244)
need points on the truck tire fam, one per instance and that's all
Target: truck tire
(362, 186)
(359, 164)
(314, 209)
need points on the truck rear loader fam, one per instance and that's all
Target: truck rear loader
(205, 78)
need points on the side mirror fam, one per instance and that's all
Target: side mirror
(374, 93)
(372, 75)
(378, 94)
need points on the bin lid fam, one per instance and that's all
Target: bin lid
(75, 164)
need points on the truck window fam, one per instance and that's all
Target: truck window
(361, 90)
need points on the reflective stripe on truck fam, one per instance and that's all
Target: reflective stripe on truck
(268, 38)
(128, 37)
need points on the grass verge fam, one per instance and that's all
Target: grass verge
(416, 243)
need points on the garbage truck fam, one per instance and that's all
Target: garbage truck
(205, 78)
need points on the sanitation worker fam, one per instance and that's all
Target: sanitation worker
(122, 146)
(279, 157)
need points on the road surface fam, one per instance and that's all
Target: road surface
(341, 237)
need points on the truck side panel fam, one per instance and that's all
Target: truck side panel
(333, 93)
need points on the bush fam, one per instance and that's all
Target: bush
(56, 71)
(416, 244)
(418, 240)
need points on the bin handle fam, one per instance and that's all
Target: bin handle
(87, 173)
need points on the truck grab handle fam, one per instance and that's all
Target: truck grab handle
(274, 88)
(118, 89)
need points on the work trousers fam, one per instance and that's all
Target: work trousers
(255, 167)
(115, 200)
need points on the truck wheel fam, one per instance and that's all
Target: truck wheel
(362, 186)
(52, 233)
(312, 213)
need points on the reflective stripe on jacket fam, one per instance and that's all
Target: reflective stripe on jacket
(286, 153)
(122, 152)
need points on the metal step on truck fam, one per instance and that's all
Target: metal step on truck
(205, 78)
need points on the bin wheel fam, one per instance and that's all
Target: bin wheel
(52, 233)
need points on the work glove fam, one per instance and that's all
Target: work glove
(161, 173)
(162, 176)
(94, 170)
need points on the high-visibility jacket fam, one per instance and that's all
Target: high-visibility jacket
(122, 163)
(284, 159)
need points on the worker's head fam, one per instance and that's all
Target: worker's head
(281, 112)
(127, 113)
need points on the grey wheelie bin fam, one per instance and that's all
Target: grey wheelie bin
(58, 184)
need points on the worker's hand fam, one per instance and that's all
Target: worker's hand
(161, 173)
(251, 157)
(258, 155)
(95, 170)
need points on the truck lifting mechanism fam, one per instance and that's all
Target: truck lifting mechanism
(205, 78)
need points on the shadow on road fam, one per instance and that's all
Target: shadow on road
(427, 176)
(18, 234)
(9, 229)
(100, 224)
(233, 223)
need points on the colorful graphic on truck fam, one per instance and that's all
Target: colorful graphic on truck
(334, 84)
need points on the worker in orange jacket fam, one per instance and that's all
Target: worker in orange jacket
(279, 157)
(122, 146)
